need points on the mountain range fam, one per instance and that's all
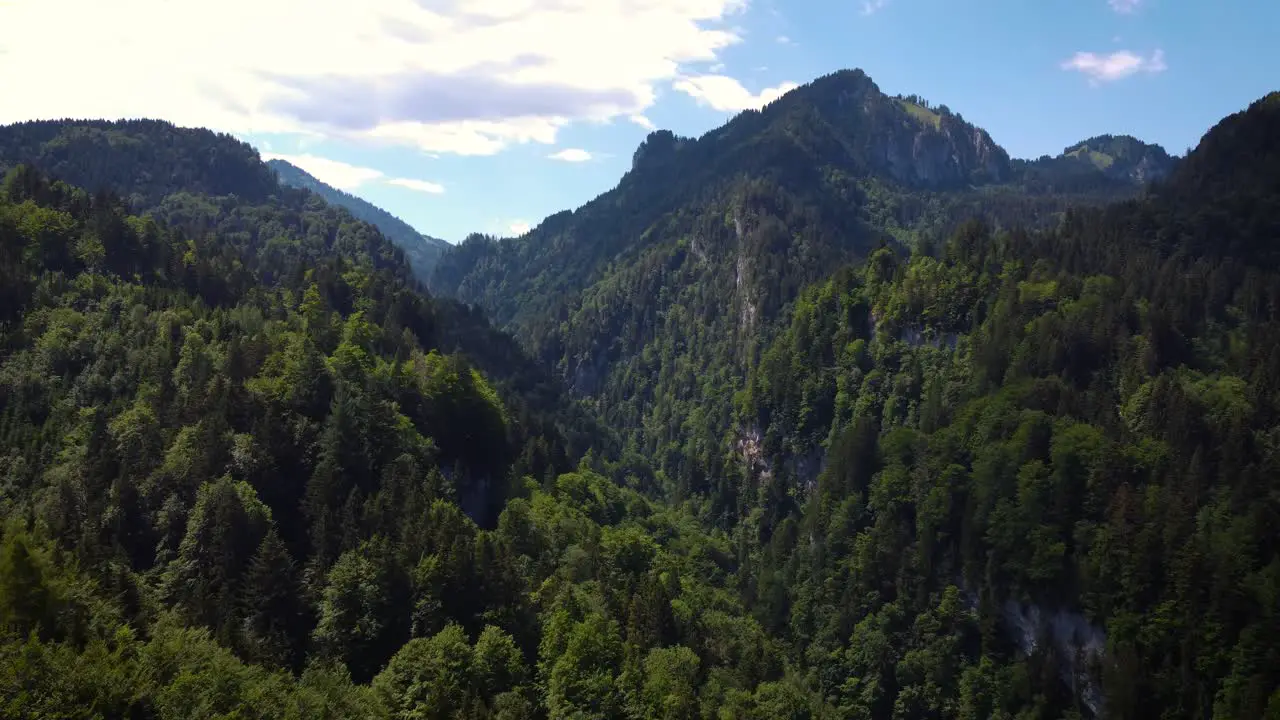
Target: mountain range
(834, 412)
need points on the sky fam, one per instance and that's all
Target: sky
(464, 116)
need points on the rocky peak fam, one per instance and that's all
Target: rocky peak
(902, 139)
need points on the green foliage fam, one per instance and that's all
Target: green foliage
(249, 470)
(1074, 420)
(658, 298)
(244, 423)
(446, 677)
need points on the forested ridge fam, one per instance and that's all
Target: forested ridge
(1068, 433)
(250, 468)
(422, 251)
(653, 299)
(859, 162)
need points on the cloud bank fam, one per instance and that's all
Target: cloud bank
(468, 77)
(343, 176)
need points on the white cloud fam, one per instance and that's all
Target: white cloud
(448, 76)
(783, 40)
(871, 7)
(343, 176)
(519, 227)
(1115, 66)
(1124, 7)
(643, 122)
(573, 155)
(468, 137)
(419, 185)
(721, 92)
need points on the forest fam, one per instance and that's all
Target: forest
(1020, 464)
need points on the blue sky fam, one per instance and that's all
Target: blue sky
(487, 115)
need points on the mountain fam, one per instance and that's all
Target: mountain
(249, 468)
(657, 296)
(1106, 162)
(876, 166)
(246, 469)
(423, 251)
(1068, 431)
(149, 159)
(1123, 158)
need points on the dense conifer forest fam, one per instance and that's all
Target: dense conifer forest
(820, 434)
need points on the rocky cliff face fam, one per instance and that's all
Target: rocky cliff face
(906, 141)
(953, 153)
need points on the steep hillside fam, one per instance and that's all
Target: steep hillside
(654, 298)
(1072, 433)
(200, 182)
(423, 251)
(236, 459)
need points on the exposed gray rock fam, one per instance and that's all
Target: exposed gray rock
(1078, 643)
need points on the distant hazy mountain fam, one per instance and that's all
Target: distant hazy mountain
(423, 251)
(1100, 164)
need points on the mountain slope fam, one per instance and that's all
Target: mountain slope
(654, 298)
(210, 184)
(423, 251)
(838, 143)
(1072, 431)
(1016, 474)
(235, 454)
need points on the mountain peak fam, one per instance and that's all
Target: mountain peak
(659, 147)
(848, 81)
(1121, 157)
(1116, 146)
(843, 121)
(1237, 157)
